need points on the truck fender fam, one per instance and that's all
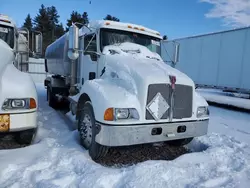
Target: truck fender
(92, 95)
(199, 100)
(103, 95)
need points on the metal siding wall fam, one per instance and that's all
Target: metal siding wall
(190, 51)
(231, 53)
(220, 59)
(209, 60)
(37, 70)
(245, 81)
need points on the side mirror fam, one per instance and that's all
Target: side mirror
(165, 37)
(176, 53)
(73, 53)
(22, 44)
(38, 43)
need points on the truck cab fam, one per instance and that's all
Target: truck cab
(120, 90)
(18, 96)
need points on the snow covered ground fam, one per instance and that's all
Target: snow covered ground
(220, 159)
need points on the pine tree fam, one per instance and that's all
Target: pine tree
(47, 22)
(42, 21)
(42, 24)
(74, 17)
(112, 18)
(28, 23)
(55, 28)
(59, 30)
(53, 14)
(85, 18)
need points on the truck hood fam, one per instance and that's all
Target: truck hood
(132, 65)
(6, 55)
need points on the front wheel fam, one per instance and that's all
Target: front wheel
(88, 131)
(180, 142)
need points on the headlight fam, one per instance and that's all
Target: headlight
(121, 113)
(202, 111)
(112, 114)
(12, 104)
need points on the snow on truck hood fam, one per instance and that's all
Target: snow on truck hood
(135, 63)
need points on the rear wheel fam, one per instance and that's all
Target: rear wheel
(88, 131)
(25, 137)
(180, 142)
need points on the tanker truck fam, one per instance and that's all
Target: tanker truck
(119, 90)
(18, 96)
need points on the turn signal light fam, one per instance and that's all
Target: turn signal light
(109, 114)
(32, 103)
(7, 21)
(4, 122)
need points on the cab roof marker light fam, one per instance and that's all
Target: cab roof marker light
(7, 21)
(136, 28)
(142, 29)
(107, 23)
(129, 26)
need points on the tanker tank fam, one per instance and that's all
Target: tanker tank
(56, 55)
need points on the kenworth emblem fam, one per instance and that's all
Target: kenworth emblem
(171, 111)
(172, 81)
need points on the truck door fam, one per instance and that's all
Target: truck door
(89, 59)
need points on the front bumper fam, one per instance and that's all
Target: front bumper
(141, 134)
(23, 121)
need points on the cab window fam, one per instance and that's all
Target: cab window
(90, 46)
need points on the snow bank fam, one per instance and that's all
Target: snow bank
(57, 160)
(219, 97)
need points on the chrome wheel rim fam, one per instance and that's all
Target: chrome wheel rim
(86, 130)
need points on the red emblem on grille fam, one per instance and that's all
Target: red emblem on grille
(172, 81)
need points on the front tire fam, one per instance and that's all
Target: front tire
(88, 131)
(26, 137)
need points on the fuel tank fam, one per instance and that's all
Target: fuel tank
(56, 56)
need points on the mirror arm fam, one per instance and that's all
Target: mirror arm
(81, 24)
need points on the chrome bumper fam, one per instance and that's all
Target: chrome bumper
(125, 135)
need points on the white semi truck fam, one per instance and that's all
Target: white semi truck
(18, 96)
(120, 90)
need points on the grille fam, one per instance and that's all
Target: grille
(183, 100)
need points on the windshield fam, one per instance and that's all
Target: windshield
(113, 36)
(7, 34)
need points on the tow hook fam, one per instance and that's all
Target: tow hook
(181, 129)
